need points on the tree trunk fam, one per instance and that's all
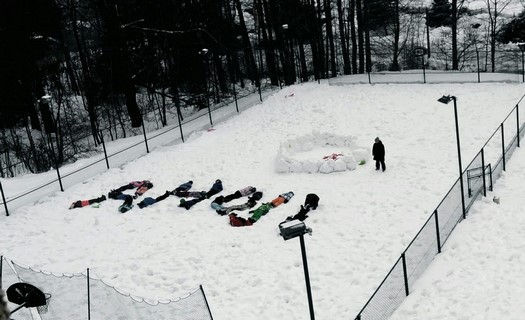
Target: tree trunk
(395, 63)
(221, 75)
(454, 35)
(360, 35)
(247, 45)
(368, 53)
(353, 36)
(86, 74)
(493, 26)
(304, 69)
(268, 43)
(284, 52)
(342, 37)
(330, 36)
(119, 59)
(319, 42)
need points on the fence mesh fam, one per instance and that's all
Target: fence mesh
(70, 298)
(388, 296)
(421, 251)
(68, 292)
(450, 212)
(473, 181)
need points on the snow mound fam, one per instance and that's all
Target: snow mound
(320, 152)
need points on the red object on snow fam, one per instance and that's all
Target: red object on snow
(333, 156)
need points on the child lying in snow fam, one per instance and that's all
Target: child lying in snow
(236, 221)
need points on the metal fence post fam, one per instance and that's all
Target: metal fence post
(259, 87)
(491, 187)
(209, 110)
(438, 236)
(180, 128)
(405, 275)
(518, 123)
(1, 266)
(235, 97)
(2, 170)
(206, 300)
(483, 172)
(59, 179)
(424, 73)
(477, 59)
(503, 146)
(56, 165)
(144, 131)
(104, 148)
(3, 200)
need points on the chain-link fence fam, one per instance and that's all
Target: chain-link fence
(477, 178)
(139, 143)
(473, 65)
(84, 296)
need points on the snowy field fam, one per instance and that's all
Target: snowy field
(364, 221)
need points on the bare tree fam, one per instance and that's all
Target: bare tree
(495, 9)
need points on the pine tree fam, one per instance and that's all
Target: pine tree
(440, 14)
(514, 30)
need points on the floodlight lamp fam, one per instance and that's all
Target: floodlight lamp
(285, 26)
(293, 228)
(204, 51)
(45, 98)
(26, 295)
(521, 45)
(446, 99)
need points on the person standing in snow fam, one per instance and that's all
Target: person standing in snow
(378, 151)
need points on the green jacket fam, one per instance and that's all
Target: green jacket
(261, 211)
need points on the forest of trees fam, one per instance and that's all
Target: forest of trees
(69, 68)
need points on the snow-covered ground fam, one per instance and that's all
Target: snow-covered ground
(480, 272)
(364, 221)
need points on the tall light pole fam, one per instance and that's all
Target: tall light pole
(446, 100)
(285, 50)
(292, 229)
(289, 69)
(204, 53)
(522, 48)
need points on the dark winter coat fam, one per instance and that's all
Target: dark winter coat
(216, 188)
(183, 187)
(378, 151)
(311, 201)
